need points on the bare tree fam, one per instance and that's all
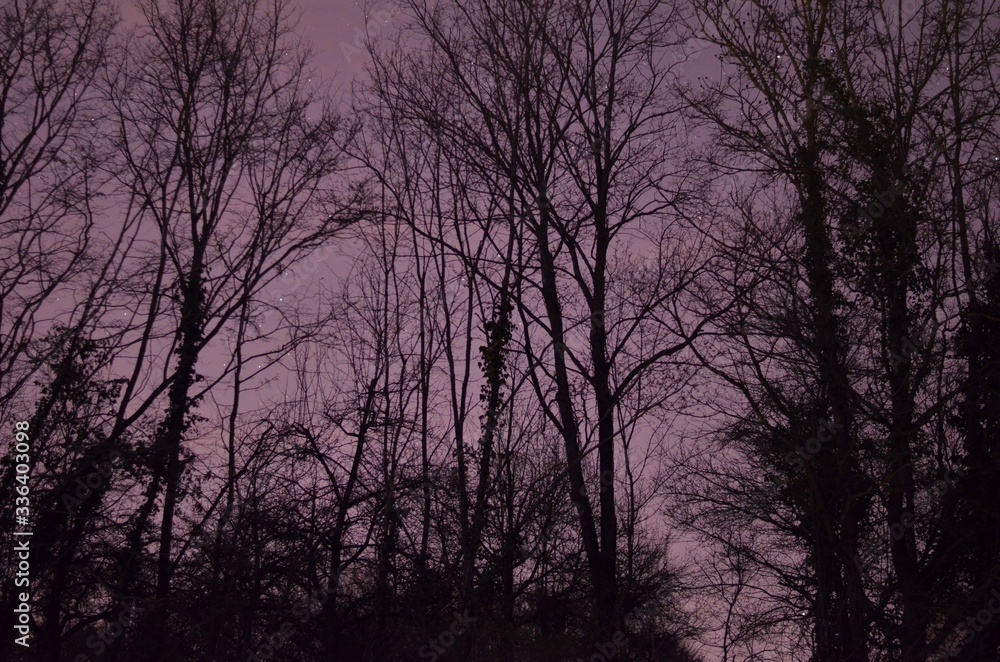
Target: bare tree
(228, 152)
(557, 116)
(834, 119)
(49, 181)
(52, 54)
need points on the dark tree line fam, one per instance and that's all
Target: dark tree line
(549, 343)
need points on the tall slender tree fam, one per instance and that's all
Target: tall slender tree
(230, 164)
